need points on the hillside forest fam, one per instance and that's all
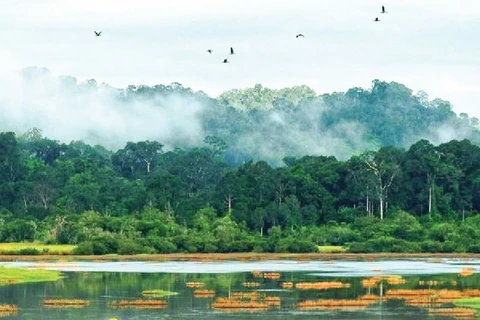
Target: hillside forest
(394, 181)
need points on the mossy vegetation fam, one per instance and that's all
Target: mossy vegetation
(468, 303)
(332, 249)
(25, 248)
(20, 275)
(158, 293)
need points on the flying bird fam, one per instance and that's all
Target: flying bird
(231, 51)
(299, 35)
(376, 20)
(225, 60)
(98, 34)
(209, 51)
(383, 9)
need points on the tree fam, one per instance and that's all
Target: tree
(384, 166)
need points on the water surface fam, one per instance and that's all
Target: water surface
(104, 282)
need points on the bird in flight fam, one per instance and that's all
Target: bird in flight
(376, 20)
(231, 51)
(299, 35)
(225, 60)
(383, 9)
(209, 50)
(98, 34)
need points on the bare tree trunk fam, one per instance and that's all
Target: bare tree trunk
(381, 207)
(430, 199)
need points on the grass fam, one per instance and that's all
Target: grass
(48, 249)
(20, 275)
(468, 302)
(332, 249)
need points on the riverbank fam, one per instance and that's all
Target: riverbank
(206, 257)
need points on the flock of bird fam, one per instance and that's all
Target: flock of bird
(232, 52)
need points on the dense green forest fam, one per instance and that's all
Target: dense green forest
(377, 169)
(144, 199)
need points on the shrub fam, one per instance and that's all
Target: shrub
(28, 252)
(295, 245)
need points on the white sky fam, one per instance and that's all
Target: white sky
(431, 45)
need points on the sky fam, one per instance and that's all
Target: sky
(430, 45)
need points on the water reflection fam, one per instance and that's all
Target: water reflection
(245, 295)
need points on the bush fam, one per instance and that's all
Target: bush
(161, 245)
(431, 246)
(295, 245)
(28, 252)
(360, 247)
(84, 248)
(129, 246)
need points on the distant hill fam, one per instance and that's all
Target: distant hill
(256, 123)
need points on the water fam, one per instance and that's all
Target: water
(102, 283)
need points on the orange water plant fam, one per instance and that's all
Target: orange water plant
(286, 285)
(7, 310)
(335, 304)
(272, 301)
(225, 303)
(374, 281)
(321, 285)
(192, 284)
(430, 283)
(272, 275)
(251, 284)
(257, 274)
(466, 272)
(203, 293)
(245, 295)
(65, 302)
(139, 304)
(456, 313)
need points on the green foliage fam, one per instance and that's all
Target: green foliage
(141, 199)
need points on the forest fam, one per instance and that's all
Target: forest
(389, 184)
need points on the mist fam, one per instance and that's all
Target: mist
(256, 123)
(66, 111)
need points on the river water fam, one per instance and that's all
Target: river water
(289, 284)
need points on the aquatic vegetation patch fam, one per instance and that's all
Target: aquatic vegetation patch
(251, 284)
(65, 303)
(286, 285)
(203, 293)
(139, 304)
(466, 272)
(8, 310)
(272, 275)
(430, 283)
(468, 302)
(21, 275)
(340, 304)
(225, 303)
(374, 281)
(192, 284)
(158, 293)
(245, 295)
(456, 313)
(321, 285)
